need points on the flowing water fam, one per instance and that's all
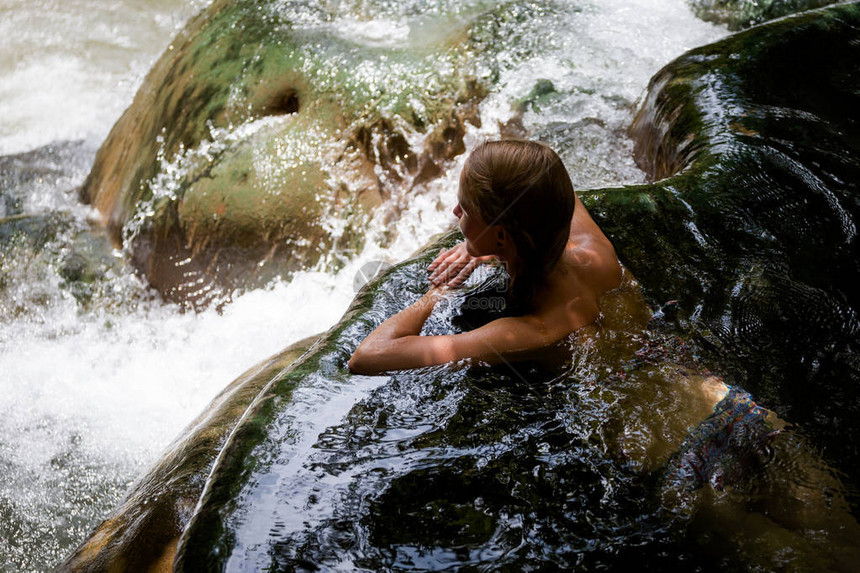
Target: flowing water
(93, 388)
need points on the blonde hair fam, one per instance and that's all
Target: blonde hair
(524, 187)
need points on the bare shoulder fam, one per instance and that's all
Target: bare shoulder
(589, 269)
(592, 260)
(591, 254)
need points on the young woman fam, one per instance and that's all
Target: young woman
(516, 204)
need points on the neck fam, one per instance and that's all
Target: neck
(511, 265)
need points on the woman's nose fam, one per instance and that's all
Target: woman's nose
(458, 211)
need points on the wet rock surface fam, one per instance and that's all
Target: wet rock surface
(43, 234)
(741, 14)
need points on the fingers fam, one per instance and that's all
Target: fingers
(447, 262)
(448, 269)
(439, 258)
(452, 267)
(464, 273)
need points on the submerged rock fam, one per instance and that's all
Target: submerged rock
(44, 238)
(28, 181)
(266, 134)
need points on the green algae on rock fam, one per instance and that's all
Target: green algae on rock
(752, 221)
(264, 137)
(740, 14)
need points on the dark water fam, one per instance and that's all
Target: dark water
(763, 216)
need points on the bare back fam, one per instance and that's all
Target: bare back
(588, 269)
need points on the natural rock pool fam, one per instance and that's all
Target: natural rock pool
(749, 231)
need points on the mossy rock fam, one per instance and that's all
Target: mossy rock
(741, 14)
(254, 131)
(751, 223)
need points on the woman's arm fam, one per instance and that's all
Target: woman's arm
(373, 354)
(396, 344)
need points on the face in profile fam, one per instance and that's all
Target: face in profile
(480, 238)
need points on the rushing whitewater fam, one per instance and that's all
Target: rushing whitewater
(90, 394)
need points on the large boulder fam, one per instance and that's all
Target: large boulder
(552, 461)
(261, 142)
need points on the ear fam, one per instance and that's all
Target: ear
(502, 236)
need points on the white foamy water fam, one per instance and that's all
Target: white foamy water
(68, 68)
(90, 397)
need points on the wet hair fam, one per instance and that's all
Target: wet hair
(524, 187)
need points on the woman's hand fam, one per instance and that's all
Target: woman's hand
(451, 268)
